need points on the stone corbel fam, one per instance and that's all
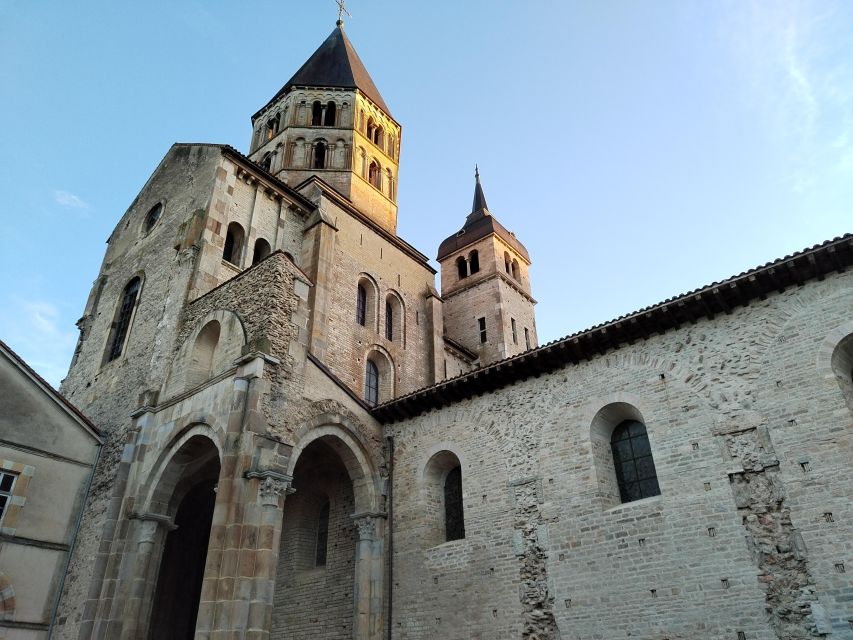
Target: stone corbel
(159, 519)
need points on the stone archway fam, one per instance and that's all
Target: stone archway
(329, 577)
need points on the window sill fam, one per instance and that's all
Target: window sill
(634, 503)
(230, 265)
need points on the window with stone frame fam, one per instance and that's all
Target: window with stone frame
(233, 248)
(454, 519)
(7, 485)
(153, 217)
(389, 320)
(124, 314)
(361, 305)
(481, 326)
(633, 461)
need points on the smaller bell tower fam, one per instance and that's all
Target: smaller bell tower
(485, 286)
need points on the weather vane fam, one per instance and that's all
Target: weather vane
(341, 11)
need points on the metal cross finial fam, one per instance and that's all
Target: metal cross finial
(341, 11)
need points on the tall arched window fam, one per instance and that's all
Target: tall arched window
(375, 174)
(153, 217)
(320, 155)
(392, 146)
(515, 269)
(272, 127)
(266, 163)
(329, 116)
(454, 519)
(390, 178)
(361, 305)
(633, 462)
(461, 267)
(389, 320)
(507, 262)
(322, 536)
(371, 384)
(124, 314)
(317, 113)
(204, 350)
(262, 250)
(474, 261)
(371, 129)
(233, 243)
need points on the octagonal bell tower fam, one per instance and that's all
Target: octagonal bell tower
(329, 120)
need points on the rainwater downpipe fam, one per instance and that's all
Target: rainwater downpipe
(390, 535)
(70, 551)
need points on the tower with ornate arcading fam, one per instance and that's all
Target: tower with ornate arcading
(330, 120)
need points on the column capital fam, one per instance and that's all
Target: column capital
(272, 486)
(367, 524)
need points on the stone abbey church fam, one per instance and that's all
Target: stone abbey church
(305, 439)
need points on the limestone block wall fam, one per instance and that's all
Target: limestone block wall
(751, 438)
(360, 251)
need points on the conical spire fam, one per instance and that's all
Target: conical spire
(479, 196)
(336, 64)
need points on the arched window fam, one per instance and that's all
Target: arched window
(375, 174)
(233, 243)
(124, 314)
(266, 163)
(390, 178)
(371, 129)
(322, 536)
(633, 462)
(371, 384)
(329, 116)
(515, 269)
(262, 250)
(389, 320)
(507, 262)
(461, 267)
(392, 146)
(361, 305)
(153, 217)
(320, 155)
(454, 519)
(379, 137)
(317, 113)
(474, 261)
(272, 127)
(841, 363)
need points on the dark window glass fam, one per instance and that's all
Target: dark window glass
(6, 482)
(153, 216)
(389, 321)
(371, 384)
(361, 306)
(632, 459)
(322, 536)
(122, 322)
(3, 501)
(481, 322)
(514, 331)
(454, 520)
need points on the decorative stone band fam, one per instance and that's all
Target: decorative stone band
(367, 524)
(272, 486)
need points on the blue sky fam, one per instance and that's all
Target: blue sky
(638, 149)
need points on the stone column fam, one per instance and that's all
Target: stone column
(369, 574)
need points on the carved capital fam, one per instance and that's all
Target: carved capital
(367, 524)
(272, 486)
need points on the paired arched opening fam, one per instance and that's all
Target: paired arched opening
(622, 455)
(374, 174)
(122, 319)
(323, 115)
(468, 266)
(444, 498)
(262, 250)
(186, 494)
(233, 248)
(374, 132)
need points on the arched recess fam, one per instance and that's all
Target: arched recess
(332, 479)
(366, 301)
(609, 418)
(232, 250)
(262, 250)
(443, 498)
(835, 360)
(206, 352)
(385, 367)
(184, 493)
(374, 174)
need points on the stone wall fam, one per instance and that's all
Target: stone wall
(751, 439)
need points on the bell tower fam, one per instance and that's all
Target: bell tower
(329, 120)
(488, 307)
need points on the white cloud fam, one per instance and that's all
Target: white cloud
(32, 329)
(66, 199)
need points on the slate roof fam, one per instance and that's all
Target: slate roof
(717, 298)
(334, 64)
(479, 224)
